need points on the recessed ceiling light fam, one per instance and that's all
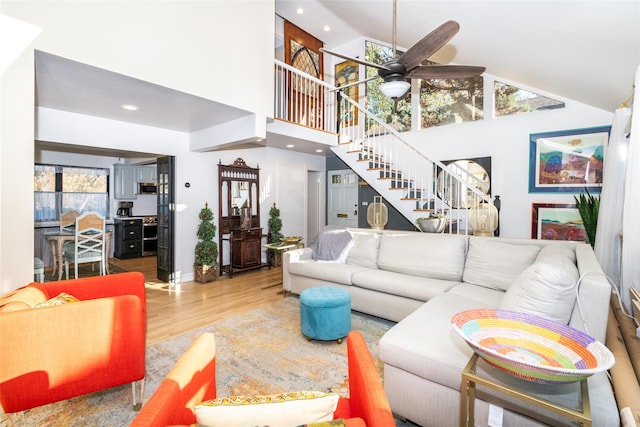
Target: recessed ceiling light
(300, 11)
(326, 28)
(129, 107)
(289, 145)
(319, 151)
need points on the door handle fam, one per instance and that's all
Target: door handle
(355, 212)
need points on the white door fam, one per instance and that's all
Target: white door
(342, 192)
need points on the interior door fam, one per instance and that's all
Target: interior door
(342, 208)
(166, 218)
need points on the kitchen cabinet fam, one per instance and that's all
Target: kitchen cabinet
(127, 178)
(147, 174)
(128, 238)
(125, 181)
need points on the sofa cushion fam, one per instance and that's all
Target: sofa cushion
(404, 285)
(337, 273)
(365, 249)
(546, 288)
(493, 264)
(431, 255)
(288, 409)
(425, 344)
(486, 296)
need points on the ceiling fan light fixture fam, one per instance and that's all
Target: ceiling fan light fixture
(395, 89)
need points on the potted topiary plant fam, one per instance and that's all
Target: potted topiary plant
(275, 225)
(206, 251)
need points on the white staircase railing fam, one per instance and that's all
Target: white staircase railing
(414, 184)
(303, 99)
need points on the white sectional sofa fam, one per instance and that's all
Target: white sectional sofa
(420, 280)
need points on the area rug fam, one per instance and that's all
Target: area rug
(259, 352)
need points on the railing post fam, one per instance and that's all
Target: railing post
(338, 112)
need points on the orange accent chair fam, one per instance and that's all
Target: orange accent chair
(57, 352)
(193, 379)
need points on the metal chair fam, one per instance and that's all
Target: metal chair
(89, 243)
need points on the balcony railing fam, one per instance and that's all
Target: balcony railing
(303, 99)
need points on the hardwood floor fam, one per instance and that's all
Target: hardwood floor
(190, 305)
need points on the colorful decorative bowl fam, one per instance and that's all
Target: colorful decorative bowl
(531, 347)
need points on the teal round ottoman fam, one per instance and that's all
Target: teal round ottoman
(325, 313)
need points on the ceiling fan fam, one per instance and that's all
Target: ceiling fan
(408, 65)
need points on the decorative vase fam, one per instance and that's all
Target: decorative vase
(206, 273)
(432, 225)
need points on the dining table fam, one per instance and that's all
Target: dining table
(57, 240)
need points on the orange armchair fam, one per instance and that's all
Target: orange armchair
(55, 353)
(192, 380)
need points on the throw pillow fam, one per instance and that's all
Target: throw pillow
(332, 245)
(291, 408)
(495, 265)
(365, 249)
(546, 288)
(61, 299)
(23, 298)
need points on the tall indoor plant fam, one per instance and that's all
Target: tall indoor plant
(589, 205)
(275, 225)
(206, 251)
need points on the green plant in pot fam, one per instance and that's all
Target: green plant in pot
(589, 205)
(206, 251)
(275, 225)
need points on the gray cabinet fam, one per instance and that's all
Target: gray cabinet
(147, 174)
(125, 181)
(127, 178)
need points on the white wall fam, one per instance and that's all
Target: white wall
(283, 173)
(506, 140)
(180, 45)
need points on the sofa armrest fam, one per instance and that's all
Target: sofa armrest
(367, 398)
(94, 287)
(190, 381)
(290, 257)
(54, 353)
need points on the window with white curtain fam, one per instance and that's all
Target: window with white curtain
(60, 188)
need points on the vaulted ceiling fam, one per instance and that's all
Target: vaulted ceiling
(586, 51)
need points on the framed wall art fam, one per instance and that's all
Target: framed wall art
(567, 161)
(554, 221)
(347, 72)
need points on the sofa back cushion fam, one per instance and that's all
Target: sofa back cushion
(365, 249)
(546, 288)
(437, 256)
(496, 265)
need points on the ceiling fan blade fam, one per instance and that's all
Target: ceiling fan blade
(354, 83)
(357, 60)
(445, 72)
(429, 44)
